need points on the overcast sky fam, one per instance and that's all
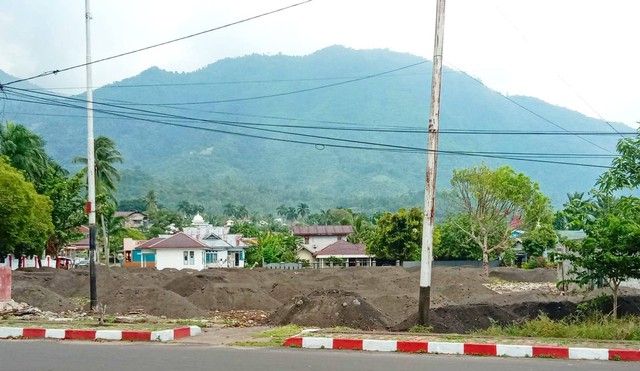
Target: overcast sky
(580, 54)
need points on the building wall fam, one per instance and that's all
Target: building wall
(173, 258)
(306, 255)
(317, 243)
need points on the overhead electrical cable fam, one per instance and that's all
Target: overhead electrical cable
(54, 72)
(378, 146)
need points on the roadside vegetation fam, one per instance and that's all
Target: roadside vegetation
(271, 338)
(595, 327)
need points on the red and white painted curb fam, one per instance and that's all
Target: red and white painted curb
(499, 350)
(131, 335)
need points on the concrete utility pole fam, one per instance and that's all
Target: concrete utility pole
(432, 166)
(91, 168)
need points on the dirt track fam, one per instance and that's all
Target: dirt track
(365, 298)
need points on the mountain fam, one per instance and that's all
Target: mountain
(315, 109)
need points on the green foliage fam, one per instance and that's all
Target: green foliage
(539, 240)
(24, 150)
(509, 256)
(397, 236)
(623, 172)
(490, 199)
(537, 262)
(611, 251)
(452, 243)
(190, 209)
(135, 204)
(26, 216)
(106, 156)
(594, 327)
(161, 219)
(245, 229)
(116, 237)
(274, 248)
(66, 195)
(421, 329)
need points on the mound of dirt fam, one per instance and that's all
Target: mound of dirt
(358, 297)
(331, 308)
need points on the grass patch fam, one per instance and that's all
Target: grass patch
(421, 329)
(594, 327)
(271, 338)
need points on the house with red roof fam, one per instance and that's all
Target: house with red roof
(317, 237)
(353, 255)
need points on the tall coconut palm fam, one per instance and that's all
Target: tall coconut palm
(303, 211)
(25, 151)
(106, 156)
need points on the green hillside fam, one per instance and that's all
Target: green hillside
(239, 102)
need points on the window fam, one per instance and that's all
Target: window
(306, 240)
(339, 238)
(241, 254)
(188, 257)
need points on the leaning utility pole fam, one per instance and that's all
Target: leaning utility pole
(91, 171)
(432, 167)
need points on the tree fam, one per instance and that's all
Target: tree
(274, 248)
(397, 236)
(491, 199)
(24, 150)
(26, 216)
(151, 201)
(106, 156)
(624, 171)
(362, 229)
(161, 219)
(136, 204)
(245, 229)
(611, 250)
(452, 242)
(539, 240)
(66, 194)
(303, 211)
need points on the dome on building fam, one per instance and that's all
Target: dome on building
(198, 220)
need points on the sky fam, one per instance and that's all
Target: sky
(579, 54)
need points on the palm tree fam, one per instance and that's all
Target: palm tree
(282, 210)
(25, 151)
(106, 155)
(303, 210)
(151, 200)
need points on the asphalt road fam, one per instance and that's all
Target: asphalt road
(28, 355)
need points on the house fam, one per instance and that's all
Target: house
(177, 251)
(198, 246)
(317, 237)
(353, 255)
(227, 248)
(133, 219)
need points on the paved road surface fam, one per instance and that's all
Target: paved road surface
(32, 355)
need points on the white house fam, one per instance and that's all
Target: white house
(226, 249)
(317, 237)
(178, 251)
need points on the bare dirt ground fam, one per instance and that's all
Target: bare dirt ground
(382, 298)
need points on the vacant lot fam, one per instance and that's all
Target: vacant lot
(365, 298)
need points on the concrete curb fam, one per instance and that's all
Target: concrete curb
(111, 335)
(496, 350)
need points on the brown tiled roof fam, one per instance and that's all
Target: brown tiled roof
(322, 230)
(343, 248)
(127, 213)
(177, 241)
(149, 243)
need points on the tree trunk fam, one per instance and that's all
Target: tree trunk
(485, 262)
(615, 300)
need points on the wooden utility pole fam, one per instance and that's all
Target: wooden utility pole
(432, 167)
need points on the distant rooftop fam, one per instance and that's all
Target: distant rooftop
(322, 230)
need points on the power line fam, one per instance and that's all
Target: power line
(378, 146)
(55, 72)
(528, 109)
(361, 128)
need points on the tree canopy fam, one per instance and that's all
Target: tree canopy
(492, 199)
(25, 214)
(397, 236)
